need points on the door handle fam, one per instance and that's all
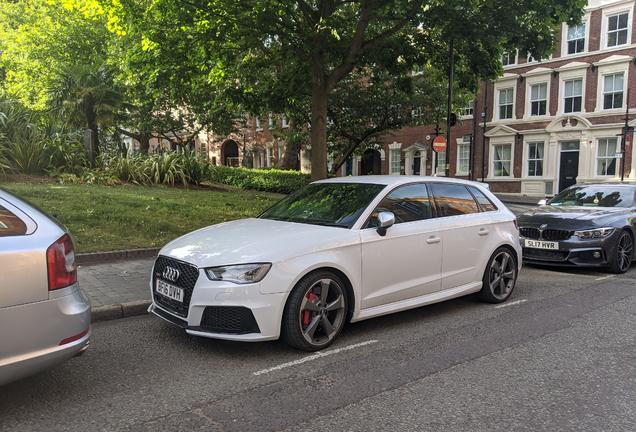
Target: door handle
(433, 240)
(483, 232)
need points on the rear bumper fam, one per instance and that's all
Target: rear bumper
(30, 334)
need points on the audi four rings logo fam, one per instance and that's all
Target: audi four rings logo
(171, 274)
(544, 226)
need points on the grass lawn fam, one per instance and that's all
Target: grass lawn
(105, 218)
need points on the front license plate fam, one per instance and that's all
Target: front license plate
(170, 291)
(541, 244)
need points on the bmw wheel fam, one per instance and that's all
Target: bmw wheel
(623, 255)
(315, 312)
(500, 277)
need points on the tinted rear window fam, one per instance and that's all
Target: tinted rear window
(453, 200)
(10, 224)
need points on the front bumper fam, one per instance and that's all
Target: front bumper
(574, 252)
(222, 310)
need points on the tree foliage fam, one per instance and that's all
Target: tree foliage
(275, 50)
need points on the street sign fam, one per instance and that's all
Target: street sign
(628, 142)
(618, 155)
(439, 144)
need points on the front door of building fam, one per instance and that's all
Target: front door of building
(569, 168)
(417, 161)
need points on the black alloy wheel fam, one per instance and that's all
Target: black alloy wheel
(500, 277)
(315, 312)
(624, 253)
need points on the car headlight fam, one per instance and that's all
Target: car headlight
(594, 233)
(239, 274)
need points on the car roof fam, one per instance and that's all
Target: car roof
(395, 180)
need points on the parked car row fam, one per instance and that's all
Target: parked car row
(337, 251)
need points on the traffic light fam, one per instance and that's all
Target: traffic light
(453, 119)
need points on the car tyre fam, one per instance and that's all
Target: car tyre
(315, 312)
(623, 255)
(500, 277)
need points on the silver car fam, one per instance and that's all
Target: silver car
(44, 316)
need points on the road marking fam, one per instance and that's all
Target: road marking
(606, 277)
(313, 357)
(511, 303)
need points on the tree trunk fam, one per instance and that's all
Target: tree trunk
(319, 101)
(292, 147)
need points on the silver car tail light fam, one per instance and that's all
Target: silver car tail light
(60, 258)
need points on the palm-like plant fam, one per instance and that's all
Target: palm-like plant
(86, 96)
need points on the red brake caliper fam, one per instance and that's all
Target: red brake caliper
(311, 297)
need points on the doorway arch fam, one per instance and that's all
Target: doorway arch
(230, 154)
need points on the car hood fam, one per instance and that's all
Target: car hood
(253, 240)
(570, 217)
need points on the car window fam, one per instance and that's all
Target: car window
(595, 196)
(484, 202)
(453, 200)
(10, 224)
(408, 203)
(331, 204)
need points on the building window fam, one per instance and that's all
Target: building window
(508, 58)
(395, 161)
(613, 91)
(501, 160)
(573, 96)
(538, 99)
(576, 39)
(258, 124)
(270, 156)
(272, 122)
(469, 109)
(463, 156)
(606, 157)
(617, 30)
(505, 104)
(285, 122)
(535, 159)
(441, 163)
(281, 150)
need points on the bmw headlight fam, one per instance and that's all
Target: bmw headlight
(594, 233)
(239, 274)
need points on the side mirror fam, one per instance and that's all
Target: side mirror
(385, 220)
(543, 202)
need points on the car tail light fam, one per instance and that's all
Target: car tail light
(74, 338)
(516, 224)
(60, 259)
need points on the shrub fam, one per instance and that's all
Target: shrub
(277, 181)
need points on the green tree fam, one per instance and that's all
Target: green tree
(87, 97)
(258, 48)
(38, 36)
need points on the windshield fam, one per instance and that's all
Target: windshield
(595, 196)
(331, 204)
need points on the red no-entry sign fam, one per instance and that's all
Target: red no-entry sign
(439, 144)
(628, 142)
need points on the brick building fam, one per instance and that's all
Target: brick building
(544, 125)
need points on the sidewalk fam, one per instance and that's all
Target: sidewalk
(117, 288)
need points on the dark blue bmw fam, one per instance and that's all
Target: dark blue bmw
(588, 225)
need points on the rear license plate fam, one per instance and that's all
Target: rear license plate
(541, 244)
(170, 291)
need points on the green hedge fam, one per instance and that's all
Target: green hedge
(277, 181)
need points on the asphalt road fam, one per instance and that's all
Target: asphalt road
(559, 355)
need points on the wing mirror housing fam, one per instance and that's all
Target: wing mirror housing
(385, 220)
(542, 202)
